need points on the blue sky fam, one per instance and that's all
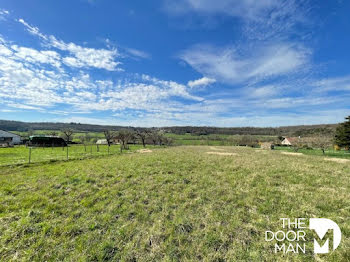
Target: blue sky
(184, 62)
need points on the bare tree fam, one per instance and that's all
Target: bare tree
(248, 140)
(157, 137)
(53, 133)
(153, 135)
(85, 139)
(109, 136)
(298, 144)
(160, 138)
(30, 132)
(322, 142)
(168, 141)
(142, 135)
(124, 136)
(68, 133)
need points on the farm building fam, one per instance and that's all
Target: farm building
(9, 139)
(289, 141)
(102, 142)
(46, 141)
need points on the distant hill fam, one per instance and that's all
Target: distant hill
(26, 126)
(307, 130)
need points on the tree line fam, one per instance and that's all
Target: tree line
(124, 137)
(308, 130)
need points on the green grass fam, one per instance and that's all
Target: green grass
(317, 152)
(174, 204)
(214, 139)
(20, 154)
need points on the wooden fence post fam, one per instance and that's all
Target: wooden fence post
(67, 152)
(30, 154)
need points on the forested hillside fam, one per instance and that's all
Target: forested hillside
(326, 129)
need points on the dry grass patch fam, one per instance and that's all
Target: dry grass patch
(142, 151)
(292, 154)
(222, 153)
(338, 160)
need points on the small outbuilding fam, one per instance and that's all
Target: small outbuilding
(102, 142)
(9, 139)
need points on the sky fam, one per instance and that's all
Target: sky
(223, 63)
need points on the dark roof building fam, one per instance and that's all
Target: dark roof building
(46, 141)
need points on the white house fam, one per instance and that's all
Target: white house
(7, 138)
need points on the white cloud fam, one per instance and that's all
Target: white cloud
(263, 91)
(33, 56)
(21, 106)
(87, 57)
(204, 81)
(81, 56)
(25, 77)
(7, 110)
(3, 14)
(230, 66)
(32, 29)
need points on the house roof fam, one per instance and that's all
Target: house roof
(7, 134)
(292, 139)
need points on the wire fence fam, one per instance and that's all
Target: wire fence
(22, 154)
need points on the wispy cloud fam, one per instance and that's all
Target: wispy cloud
(81, 56)
(204, 81)
(3, 14)
(332, 84)
(232, 66)
(137, 53)
(260, 20)
(239, 8)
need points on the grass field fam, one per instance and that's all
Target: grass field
(318, 152)
(213, 139)
(20, 154)
(172, 204)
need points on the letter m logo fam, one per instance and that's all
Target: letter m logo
(321, 226)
